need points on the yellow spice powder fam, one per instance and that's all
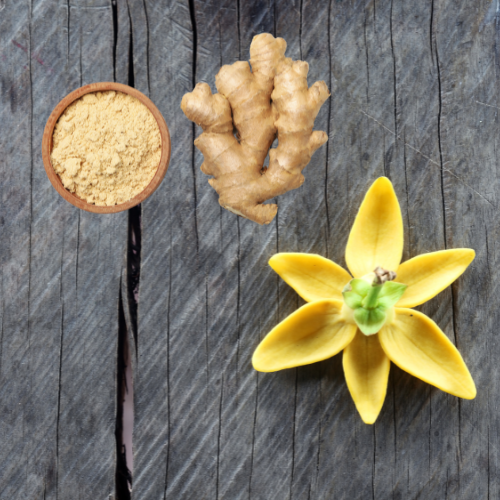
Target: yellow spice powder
(106, 147)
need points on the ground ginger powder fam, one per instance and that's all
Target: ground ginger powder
(106, 147)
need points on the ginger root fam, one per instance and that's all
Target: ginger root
(272, 99)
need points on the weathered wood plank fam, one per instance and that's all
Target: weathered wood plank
(383, 121)
(68, 340)
(123, 42)
(49, 222)
(15, 243)
(466, 52)
(87, 443)
(217, 44)
(356, 153)
(303, 227)
(273, 426)
(414, 97)
(139, 45)
(171, 325)
(419, 409)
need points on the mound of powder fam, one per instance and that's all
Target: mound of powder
(106, 147)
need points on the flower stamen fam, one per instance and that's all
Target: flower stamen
(382, 275)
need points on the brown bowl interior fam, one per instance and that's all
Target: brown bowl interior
(47, 148)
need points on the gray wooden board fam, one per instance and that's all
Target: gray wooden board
(60, 269)
(414, 97)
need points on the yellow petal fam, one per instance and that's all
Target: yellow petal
(313, 277)
(366, 369)
(417, 345)
(376, 237)
(428, 274)
(314, 332)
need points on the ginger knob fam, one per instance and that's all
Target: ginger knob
(271, 100)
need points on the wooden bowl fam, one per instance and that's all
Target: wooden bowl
(47, 148)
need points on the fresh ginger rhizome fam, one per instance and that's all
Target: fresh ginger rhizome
(272, 99)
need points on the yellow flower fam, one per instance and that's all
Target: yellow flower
(368, 317)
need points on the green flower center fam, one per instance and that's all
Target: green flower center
(372, 299)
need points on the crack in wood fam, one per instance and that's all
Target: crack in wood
(131, 76)
(134, 267)
(394, 73)
(330, 104)
(130, 291)
(192, 15)
(147, 43)
(167, 459)
(114, 10)
(123, 477)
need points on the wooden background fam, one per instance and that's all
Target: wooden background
(415, 96)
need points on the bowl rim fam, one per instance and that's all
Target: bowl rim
(48, 133)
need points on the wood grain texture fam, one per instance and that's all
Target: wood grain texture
(60, 269)
(415, 96)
